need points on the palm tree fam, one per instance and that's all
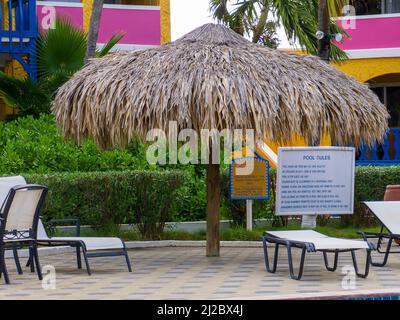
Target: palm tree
(60, 53)
(299, 19)
(94, 27)
(249, 18)
(324, 44)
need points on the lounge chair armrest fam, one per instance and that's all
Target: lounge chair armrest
(60, 222)
(308, 245)
(368, 235)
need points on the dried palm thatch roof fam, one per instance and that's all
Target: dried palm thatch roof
(214, 78)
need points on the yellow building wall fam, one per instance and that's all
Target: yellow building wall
(366, 69)
(87, 11)
(165, 16)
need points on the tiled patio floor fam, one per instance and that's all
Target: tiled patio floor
(185, 273)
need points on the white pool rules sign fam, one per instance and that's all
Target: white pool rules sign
(315, 180)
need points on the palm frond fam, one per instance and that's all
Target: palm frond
(336, 7)
(219, 10)
(23, 94)
(110, 44)
(300, 22)
(61, 50)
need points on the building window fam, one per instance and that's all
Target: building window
(369, 7)
(390, 96)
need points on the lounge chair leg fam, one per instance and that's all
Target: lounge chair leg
(367, 263)
(302, 259)
(78, 257)
(3, 267)
(128, 262)
(37, 263)
(16, 259)
(30, 260)
(275, 262)
(335, 262)
(86, 262)
(385, 258)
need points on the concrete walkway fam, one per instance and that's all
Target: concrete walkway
(185, 273)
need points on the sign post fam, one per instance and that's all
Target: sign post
(249, 181)
(249, 215)
(315, 180)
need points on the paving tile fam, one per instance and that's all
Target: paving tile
(185, 273)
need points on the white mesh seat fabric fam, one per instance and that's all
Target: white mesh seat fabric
(91, 243)
(23, 207)
(22, 210)
(388, 212)
(319, 240)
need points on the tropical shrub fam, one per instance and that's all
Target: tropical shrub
(60, 53)
(31, 145)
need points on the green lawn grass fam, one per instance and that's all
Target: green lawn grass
(333, 229)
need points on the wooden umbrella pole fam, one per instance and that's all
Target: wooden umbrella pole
(213, 205)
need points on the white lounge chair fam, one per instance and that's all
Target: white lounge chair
(312, 241)
(6, 183)
(19, 219)
(90, 246)
(388, 213)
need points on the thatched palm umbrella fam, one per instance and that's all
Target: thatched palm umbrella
(214, 78)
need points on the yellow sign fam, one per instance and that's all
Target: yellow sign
(249, 179)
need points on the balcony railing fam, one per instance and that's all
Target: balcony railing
(18, 32)
(386, 154)
(18, 22)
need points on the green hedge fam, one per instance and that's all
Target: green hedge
(105, 199)
(370, 185)
(150, 198)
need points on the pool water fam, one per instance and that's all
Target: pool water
(375, 298)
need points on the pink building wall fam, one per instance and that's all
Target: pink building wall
(141, 26)
(373, 33)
